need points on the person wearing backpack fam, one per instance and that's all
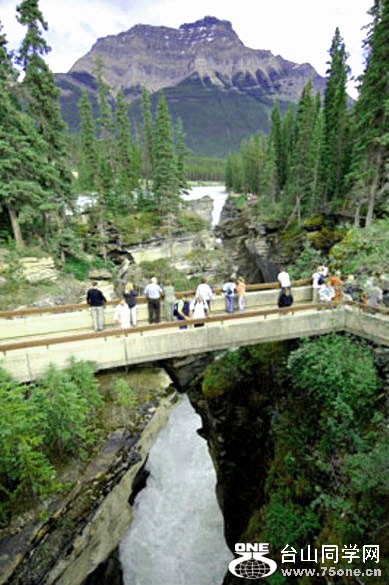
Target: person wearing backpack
(181, 310)
(229, 288)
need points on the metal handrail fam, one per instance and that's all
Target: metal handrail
(142, 299)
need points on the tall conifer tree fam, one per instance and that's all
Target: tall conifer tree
(89, 164)
(127, 159)
(371, 145)
(301, 176)
(43, 103)
(165, 182)
(147, 138)
(334, 157)
(278, 147)
(181, 154)
(25, 172)
(106, 142)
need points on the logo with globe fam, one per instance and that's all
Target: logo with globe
(252, 562)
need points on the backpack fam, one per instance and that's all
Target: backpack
(229, 291)
(185, 308)
(321, 279)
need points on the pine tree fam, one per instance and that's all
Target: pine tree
(334, 157)
(288, 138)
(181, 154)
(127, 158)
(89, 165)
(165, 182)
(270, 175)
(147, 138)
(252, 160)
(370, 115)
(43, 104)
(315, 203)
(25, 171)
(301, 177)
(277, 142)
(106, 148)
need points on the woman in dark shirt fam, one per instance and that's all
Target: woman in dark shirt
(130, 298)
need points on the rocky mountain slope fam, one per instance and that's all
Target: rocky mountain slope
(222, 90)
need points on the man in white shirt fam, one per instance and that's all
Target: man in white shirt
(204, 290)
(284, 279)
(153, 293)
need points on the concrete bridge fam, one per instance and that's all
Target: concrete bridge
(27, 356)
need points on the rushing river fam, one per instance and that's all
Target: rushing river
(176, 537)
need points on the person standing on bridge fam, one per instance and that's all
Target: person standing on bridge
(284, 279)
(285, 299)
(154, 293)
(204, 290)
(130, 298)
(168, 300)
(241, 290)
(122, 315)
(198, 310)
(96, 300)
(229, 288)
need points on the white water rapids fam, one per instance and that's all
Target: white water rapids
(176, 537)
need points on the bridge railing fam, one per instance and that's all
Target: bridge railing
(11, 314)
(141, 329)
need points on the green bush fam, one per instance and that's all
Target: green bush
(40, 426)
(363, 248)
(190, 222)
(124, 395)
(80, 267)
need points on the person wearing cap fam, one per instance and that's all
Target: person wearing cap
(154, 293)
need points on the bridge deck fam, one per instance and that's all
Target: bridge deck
(26, 360)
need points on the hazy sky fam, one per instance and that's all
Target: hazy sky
(298, 30)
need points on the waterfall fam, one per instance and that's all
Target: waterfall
(217, 193)
(176, 537)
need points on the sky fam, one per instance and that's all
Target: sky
(298, 30)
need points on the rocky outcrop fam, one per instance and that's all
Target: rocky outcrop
(202, 207)
(255, 249)
(38, 269)
(33, 269)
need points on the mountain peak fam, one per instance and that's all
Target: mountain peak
(207, 22)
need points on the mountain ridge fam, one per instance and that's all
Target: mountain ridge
(200, 57)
